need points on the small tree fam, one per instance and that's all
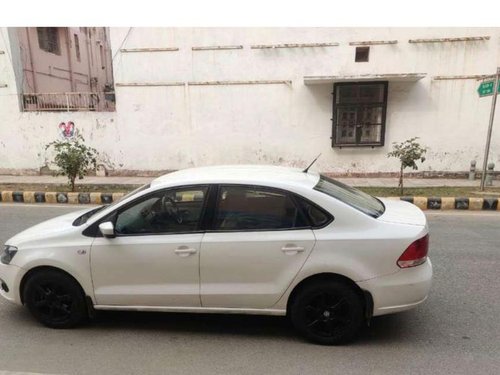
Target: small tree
(408, 152)
(73, 158)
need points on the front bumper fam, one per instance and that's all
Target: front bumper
(10, 277)
(400, 291)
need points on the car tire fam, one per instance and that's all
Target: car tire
(327, 312)
(55, 299)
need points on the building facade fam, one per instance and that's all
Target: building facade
(202, 96)
(63, 68)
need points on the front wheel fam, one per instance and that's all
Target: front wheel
(55, 299)
(327, 312)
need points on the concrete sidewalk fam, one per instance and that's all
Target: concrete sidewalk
(375, 182)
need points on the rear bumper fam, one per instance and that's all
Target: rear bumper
(10, 277)
(400, 291)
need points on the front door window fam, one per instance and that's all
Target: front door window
(167, 211)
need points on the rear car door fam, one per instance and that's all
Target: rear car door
(260, 239)
(154, 258)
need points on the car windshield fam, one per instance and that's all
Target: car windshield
(87, 215)
(351, 196)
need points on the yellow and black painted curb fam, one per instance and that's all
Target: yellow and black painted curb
(424, 203)
(453, 203)
(59, 197)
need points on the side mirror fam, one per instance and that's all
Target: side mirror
(107, 229)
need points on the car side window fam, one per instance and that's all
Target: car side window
(316, 216)
(167, 211)
(256, 208)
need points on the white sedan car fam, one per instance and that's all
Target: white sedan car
(231, 239)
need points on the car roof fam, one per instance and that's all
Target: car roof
(241, 174)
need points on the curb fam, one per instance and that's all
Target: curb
(424, 203)
(59, 197)
(453, 203)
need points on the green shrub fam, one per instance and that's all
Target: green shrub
(73, 158)
(408, 152)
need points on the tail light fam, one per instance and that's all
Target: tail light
(415, 254)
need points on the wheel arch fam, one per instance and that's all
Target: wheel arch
(365, 295)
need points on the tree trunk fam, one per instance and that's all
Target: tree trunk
(401, 180)
(72, 183)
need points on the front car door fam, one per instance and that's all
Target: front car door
(259, 242)
(154, 258)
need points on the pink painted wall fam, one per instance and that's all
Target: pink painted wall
(45, 72)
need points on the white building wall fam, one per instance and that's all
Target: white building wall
(170, 127)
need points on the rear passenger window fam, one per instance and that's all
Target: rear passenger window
(315, 215)
(255, 208)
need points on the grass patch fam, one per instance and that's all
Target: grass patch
(440, 191)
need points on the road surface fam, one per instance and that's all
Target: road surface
(457, 330)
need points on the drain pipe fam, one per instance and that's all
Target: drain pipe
(70, 66)
(32, 64)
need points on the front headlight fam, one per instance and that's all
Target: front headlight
(8, 254)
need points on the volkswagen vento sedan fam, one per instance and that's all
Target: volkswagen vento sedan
(230, 239)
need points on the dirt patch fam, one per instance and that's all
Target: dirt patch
(442, 191)
(376, 191)
(83, 188)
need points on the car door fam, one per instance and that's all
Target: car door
(259, 242)
(154, 258)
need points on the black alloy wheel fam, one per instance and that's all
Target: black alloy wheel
(55, 299)
(327, 312)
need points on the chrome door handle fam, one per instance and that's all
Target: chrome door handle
(185, 251)
(292, 249)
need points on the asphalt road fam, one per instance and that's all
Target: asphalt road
(457, 331)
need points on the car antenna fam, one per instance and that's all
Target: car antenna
(310, 165)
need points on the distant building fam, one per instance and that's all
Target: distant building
(200, 96)
(65, 68)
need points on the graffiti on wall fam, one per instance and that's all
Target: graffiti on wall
(67, 129)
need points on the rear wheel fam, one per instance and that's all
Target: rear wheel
(327, 312)
(55, 299)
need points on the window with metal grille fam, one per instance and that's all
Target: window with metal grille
(77, 48)
(48, 39)
(359, 112)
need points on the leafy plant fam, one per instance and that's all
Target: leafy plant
(408, 153)
(73, 158)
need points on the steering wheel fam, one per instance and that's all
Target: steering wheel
(169, 205)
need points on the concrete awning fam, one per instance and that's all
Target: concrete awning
(392, 77)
